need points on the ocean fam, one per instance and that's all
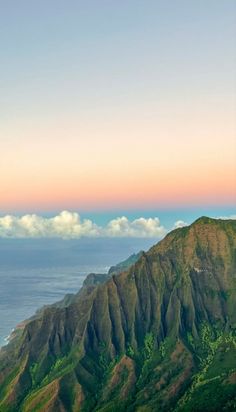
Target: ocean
(36, 272)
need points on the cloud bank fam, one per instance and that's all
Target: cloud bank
(231, 217)
(122, 227)
(69, 225)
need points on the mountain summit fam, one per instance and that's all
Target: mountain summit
(159, 336)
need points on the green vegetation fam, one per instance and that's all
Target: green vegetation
(148, 346)
(161, 336)
(216, 352)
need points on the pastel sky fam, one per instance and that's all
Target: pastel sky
(117, 104)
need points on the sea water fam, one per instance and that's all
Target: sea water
(37, 272)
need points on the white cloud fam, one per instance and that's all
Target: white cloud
(232, 217)
(141, 227)
(64, 225)
(179, 223)
(70, 225)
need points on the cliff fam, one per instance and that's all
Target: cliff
(158, 336)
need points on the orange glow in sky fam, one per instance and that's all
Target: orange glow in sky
(117, 105)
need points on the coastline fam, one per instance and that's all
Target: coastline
(14, 332)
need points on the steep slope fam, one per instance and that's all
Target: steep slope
(122, 266)
(90, 282)
(160, 336)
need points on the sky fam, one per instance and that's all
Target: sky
(108, 106)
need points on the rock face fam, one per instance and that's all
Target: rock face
(160, 336)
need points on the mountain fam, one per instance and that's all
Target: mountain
(94, 279)
(122, 266)
(160, 336)
(91, 281)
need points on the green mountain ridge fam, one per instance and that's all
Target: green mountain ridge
(159, 336)
(91, 281)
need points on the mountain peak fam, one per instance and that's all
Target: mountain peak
(205, 220)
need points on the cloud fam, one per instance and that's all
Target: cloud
(69, 225)
(141, 227)
(179, 223)
(231, 217)
(64, 225)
